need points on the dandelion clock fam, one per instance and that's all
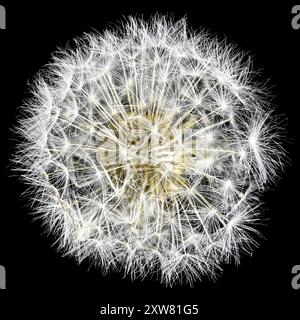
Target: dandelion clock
(146, 149)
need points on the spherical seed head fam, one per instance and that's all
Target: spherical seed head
(146, 149)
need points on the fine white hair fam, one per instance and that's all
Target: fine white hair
(146, 150)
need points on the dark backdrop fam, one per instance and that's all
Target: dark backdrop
(40, 282)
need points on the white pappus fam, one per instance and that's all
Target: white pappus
(146, 148)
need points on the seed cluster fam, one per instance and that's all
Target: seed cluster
(146, 150)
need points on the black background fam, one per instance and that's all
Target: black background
(40, 282)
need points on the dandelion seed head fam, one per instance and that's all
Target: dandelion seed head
(145, 150)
